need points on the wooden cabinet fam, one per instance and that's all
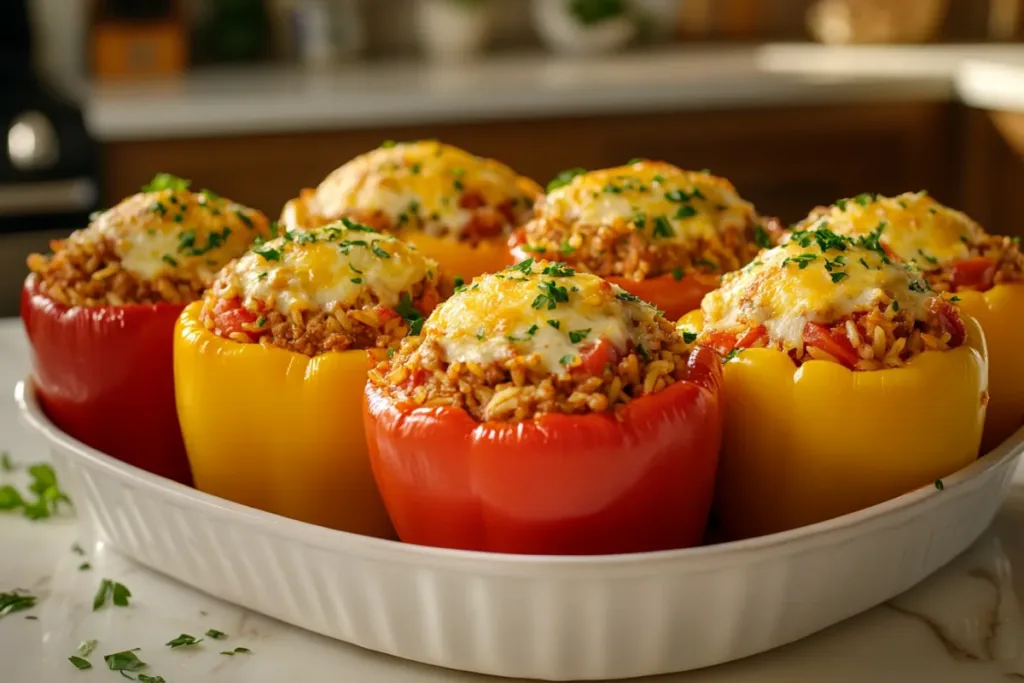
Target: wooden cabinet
(785, 160)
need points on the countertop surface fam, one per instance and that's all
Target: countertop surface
(963, 625)
(255, 100)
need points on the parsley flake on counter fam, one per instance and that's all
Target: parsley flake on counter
(16, 601)
(77, 549)
(6, 464)
(85, 566)
(215, 634)
(939, 485)
(118, 593)
(124, 661)
(143, 678)
(237, 651)
(184, 640)
(80, 664)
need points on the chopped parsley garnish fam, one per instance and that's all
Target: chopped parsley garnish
(216, 635)
(566, 248)
(564, 178)
(639, 218)
(186, 240)
(930, 259)
(838, 276)
(841, 204)
(457, 184)
(345, 246)
(626, 296)
(864, 263)
(554, 323)
(802, 260)
(919, 286)
(48, 495)
(458, 282)
(939, 485)
(677, 273)
(388, 144)
(357, 280)
(6, 464)
(732, 354)
(376, 249)
(533, 330)
(954, 298)
(662, 228)
(685, 211)
(269, 253)
(706, 263)
(166, 181)
(566, 359)
(576, 336)
(865, 198)
(158, 207)
(143, 678)
(415, 168)
(77, 549)
(895, 306)
(678, 196)
(169, 260)
(689, 337)
(184, 640)
(558, 270)
(533, 248)
(413, 318)
(124, 661)
(85, 566)
(551, 295)
(237, 650)
(262, 276)
(118, 593)
(635, 160)
(79, 663)
(828, 240)
(761, 238)
(612, 189)
(642, 352)
(242, 216)
(15, 601)
(354, 226)
(261, 321)
(525, 266)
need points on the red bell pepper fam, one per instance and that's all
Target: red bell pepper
(557, 484)
(105, 376)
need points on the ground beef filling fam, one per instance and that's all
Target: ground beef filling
(621, 250)
(883, 337)
(365, 325)
(518, 387)
(90, 274)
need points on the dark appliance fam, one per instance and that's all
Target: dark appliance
(49, 166)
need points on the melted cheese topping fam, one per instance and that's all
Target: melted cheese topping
(799, 282)
(325, 269)
(424, 184)
(174, 232)
(915, 227)
(660, 199)
(537, 308)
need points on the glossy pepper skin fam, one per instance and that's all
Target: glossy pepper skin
(557, 484)
(803, 445)
(104, 375)
(277, 430)
(999, 311)
(459, 258)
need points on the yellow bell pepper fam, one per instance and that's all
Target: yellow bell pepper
(462, 259)
(806, 444)
(999, 312)
(277, 430)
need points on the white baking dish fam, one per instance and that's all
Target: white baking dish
(555, 618)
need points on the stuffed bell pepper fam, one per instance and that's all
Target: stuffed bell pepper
(847, 381)
(100, 312)
(659, 232)
(270, 367)
(546, 411)
(983, 273)
(455, 207)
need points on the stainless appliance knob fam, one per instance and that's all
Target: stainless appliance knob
(32, 143)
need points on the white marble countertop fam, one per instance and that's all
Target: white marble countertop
(963, 625)
(257, 100)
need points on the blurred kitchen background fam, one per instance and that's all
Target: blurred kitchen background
(798, 102)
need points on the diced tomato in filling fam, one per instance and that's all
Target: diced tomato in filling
(596, 357)
(722, 342)
(950, 321)
(833, 342)
(482, 226)
(386, 313)
(471, 200)
(428, 302)
(230, 317)
(751, 337)
(974, 273)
